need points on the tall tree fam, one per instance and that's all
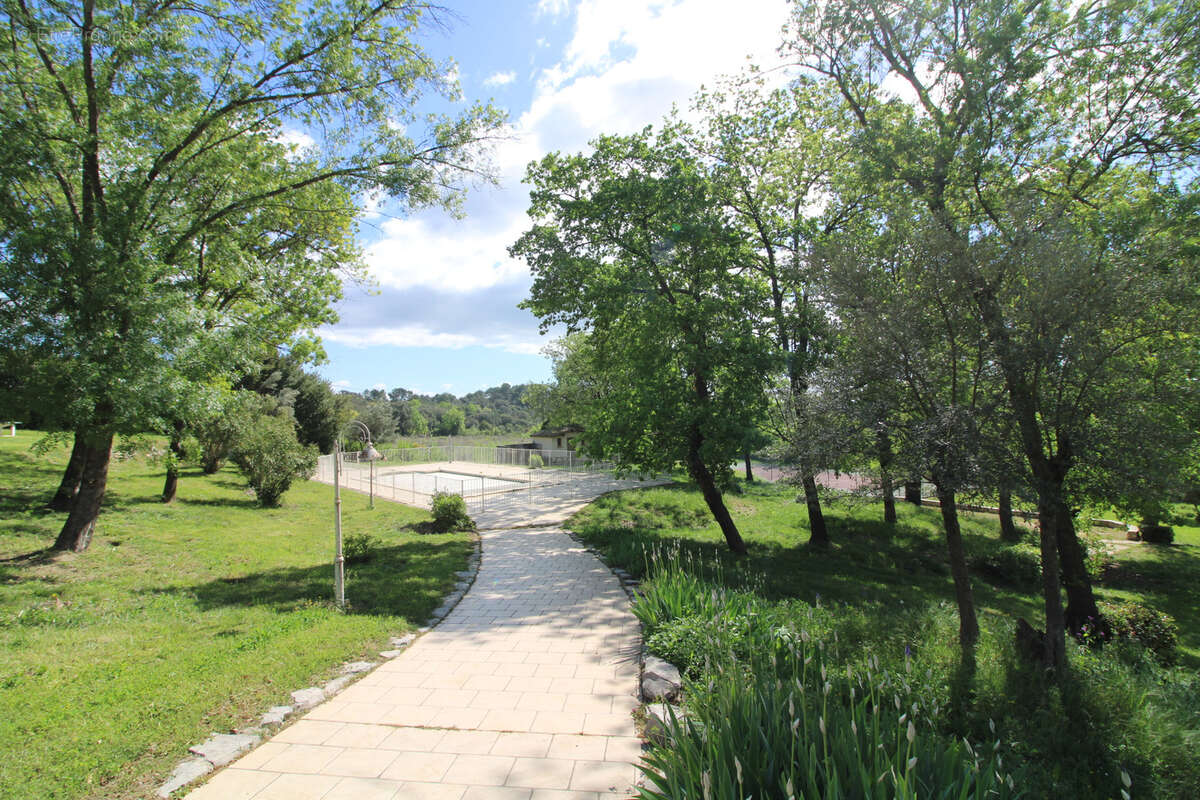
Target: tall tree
(906, 326)
(1007, 122)
(145, 157)
(777, 155)
(630, 244)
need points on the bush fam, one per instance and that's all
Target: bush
(270, 457)
(359, 548)
(1158, 534)
(450, 513)
(695, 643)
(1019, 566)
(535, 461)
(1151, 629)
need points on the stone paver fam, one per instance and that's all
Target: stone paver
(524, 691)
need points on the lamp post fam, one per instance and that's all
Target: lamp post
(339, 560)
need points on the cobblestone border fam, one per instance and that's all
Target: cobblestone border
(223, 748)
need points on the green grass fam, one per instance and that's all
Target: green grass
(183, 619)
(885, 592)
(874, 564)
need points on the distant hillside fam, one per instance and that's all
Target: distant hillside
(402, 412)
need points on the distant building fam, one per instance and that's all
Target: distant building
(557, 438)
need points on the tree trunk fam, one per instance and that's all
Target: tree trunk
(76, 533)
(884, 447)
(69, 486)
(749, 469)
(210, 460)
(889, 497)
(712, 495)
(968, 625)
(912, 492)
(1054, 645)
(1008, 528)
(1082, 611)
(171, 484)
(816, 520)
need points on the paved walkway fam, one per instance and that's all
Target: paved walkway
(524, 692)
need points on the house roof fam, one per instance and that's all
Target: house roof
(551, 433)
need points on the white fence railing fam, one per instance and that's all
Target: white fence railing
(511, 474)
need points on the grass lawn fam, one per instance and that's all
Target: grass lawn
(181, 620)
(873, 565)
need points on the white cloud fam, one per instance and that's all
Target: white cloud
(523, 342)
(625, 65)
(552, 8)
(628, 62)
(444, 254)
(341, 384)
(296, 140)
(500, 78)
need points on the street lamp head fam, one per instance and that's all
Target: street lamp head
(371, 453)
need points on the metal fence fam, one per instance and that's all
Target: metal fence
(499, 474)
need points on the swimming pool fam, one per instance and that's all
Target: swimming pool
(443, 481)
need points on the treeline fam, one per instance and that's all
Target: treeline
(402, 412)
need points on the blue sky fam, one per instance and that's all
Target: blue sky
(443, 314)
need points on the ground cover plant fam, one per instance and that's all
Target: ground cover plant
(882, 595)
(183, 619)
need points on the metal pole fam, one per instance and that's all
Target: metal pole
(371, 504)
(339, 561)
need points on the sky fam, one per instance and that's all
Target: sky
(442, 315)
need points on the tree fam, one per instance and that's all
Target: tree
(271, 458)
(630, 244)
(147, 180)
(1013, 126)
(776, 155)
(451, 422)
(906, 327)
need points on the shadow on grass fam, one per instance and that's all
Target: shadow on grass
(408, 580)
(1168, 577)
(224, 502)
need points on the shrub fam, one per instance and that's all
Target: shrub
(696, 642)
(270, 457)
(1019, 566)
(1158, 534)
(1151, 629)
(535, 461)
(359, 548)
(450, 513)
(1097, 558)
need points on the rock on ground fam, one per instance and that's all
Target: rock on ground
(660, 680)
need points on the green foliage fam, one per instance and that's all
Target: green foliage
(883, 590)
(535, 461)
(451, 422)
(772, 714)
(696, 643)
(450, 513)
(1019, 566)
(1153, 630)
(1158, 534)
(359, 548)
(674, 366)
(309, 397)
(270, 457)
